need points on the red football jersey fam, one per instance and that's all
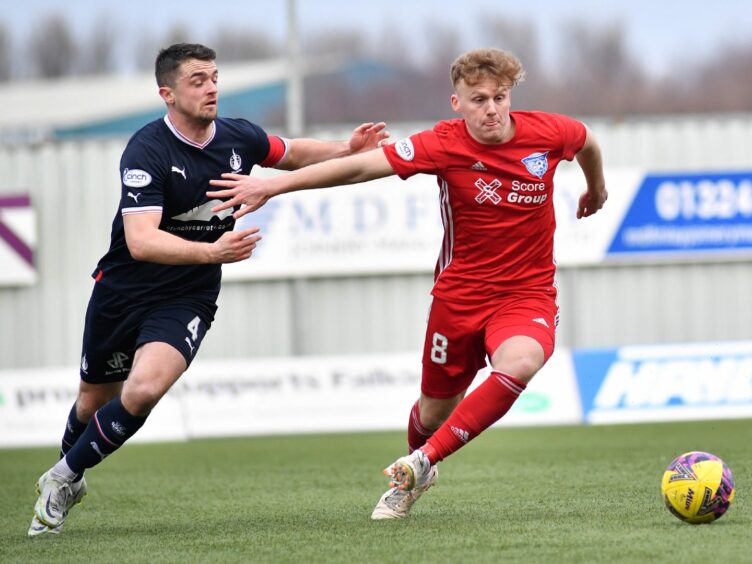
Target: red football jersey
(496, 201)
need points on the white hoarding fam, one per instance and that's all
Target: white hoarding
(273, 396)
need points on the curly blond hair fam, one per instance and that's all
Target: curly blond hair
(480, 64)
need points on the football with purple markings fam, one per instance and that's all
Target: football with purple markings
(697, 487)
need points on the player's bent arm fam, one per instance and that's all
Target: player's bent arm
(254, 192)
(591, 162)
(146, 242)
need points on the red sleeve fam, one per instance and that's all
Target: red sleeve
(573, 134)
(277, 151)
(415, 154)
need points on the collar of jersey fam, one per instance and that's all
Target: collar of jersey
(187, 141)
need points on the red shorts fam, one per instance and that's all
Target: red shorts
(460, 336)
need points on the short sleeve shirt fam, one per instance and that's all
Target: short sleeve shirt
(496, 201)
(164, 172)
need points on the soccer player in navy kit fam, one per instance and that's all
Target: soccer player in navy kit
(156, 288)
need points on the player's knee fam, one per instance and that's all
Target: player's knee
(84, 410)
(433, 421)
(523, 368)
(88, 404)
(140, 398)
(93, 396)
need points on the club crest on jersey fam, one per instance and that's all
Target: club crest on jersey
(136, 178)
(536, 163)
(405, 149)
(236, 162)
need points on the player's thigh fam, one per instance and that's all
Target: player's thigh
(521, 334)
(168, 340)
(520, 356)
(156, 367)
(453, 350)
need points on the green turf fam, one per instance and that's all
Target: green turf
(565, 494)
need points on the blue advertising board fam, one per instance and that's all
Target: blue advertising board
(665, 382)
(688, 213)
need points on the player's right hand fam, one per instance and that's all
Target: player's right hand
(234, 246)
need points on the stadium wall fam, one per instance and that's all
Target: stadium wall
(74, 188)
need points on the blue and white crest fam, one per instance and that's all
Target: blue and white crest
(536, 163)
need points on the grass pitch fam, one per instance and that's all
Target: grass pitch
(564, 494)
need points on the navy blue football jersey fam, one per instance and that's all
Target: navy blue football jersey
(163, 171)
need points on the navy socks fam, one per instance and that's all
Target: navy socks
(73, 430)
(107, 430)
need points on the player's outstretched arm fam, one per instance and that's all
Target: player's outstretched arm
(146, 242)
(591, 162)
(253, 192)
(303, 152)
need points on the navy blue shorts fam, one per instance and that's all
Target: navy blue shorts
(116, 326)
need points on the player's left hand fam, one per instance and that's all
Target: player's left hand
(368, 136)
(241, 189)
(591, 201)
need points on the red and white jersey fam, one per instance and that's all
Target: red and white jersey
(496, 201)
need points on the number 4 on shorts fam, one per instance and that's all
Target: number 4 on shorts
(193, 329)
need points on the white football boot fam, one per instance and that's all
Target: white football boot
(38, 528)
(56, 498)
(410, 477)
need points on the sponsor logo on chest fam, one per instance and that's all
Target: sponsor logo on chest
(523, 192)
(520, 193)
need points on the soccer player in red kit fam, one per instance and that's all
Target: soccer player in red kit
(494, 294)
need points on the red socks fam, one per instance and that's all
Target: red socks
(482, 408)
(417, 434)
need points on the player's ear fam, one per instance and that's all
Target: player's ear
(455, 101)
(166, 93)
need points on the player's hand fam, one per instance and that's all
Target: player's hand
(241, 189)
(368, 136)
(591, 201)
(234, 246)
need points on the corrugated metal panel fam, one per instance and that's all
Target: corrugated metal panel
(372, 314)
(610, 306)
(688, 143)
(254, 319)
(75, 189)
